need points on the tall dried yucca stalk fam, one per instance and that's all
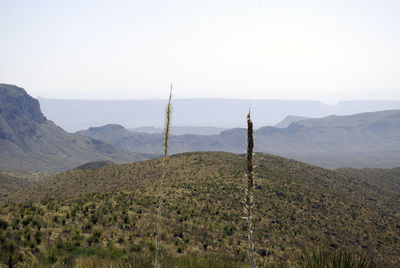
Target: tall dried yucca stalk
(249, 199)
(163, 174)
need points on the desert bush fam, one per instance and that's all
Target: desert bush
(38, 237)
(94, 238)
(3, 224)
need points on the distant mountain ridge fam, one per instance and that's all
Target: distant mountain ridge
(360, 140)
(366, 132)
(153, 143)
(28, 141)
(73, 115)
(181, 130)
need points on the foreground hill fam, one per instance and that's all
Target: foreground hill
(297, 206)
(360, 140)
(28, 141)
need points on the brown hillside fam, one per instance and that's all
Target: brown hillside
(297, 206)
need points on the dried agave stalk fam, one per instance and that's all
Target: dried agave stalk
(249, 199)
(164, 171)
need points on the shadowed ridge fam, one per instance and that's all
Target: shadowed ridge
(28, 141)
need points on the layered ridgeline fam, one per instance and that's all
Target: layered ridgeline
(111, 211)
(28, 141)
(153, 143)
(225, 113)
(360, 140)
(181, 130)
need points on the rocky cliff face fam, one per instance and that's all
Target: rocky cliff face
(29, 141)
(16, 103)
(19, 113)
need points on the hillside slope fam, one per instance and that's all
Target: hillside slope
(12, 181)
(28, 141)
(382, 179)
(297, 206)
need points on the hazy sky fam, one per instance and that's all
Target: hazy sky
(323, 50)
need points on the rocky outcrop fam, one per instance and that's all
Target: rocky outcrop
(29, 141)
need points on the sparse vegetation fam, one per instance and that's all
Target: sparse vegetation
(296, 206)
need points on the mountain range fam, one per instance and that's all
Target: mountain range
(360, 140)
(28, 141)
(74, 115)
(183, 130)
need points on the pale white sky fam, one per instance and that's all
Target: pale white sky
(255, 49)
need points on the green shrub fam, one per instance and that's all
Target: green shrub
(38, 237)
(3, 224)
(94, 238)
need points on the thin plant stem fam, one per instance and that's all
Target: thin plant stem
(249, 191)
(163, 175)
